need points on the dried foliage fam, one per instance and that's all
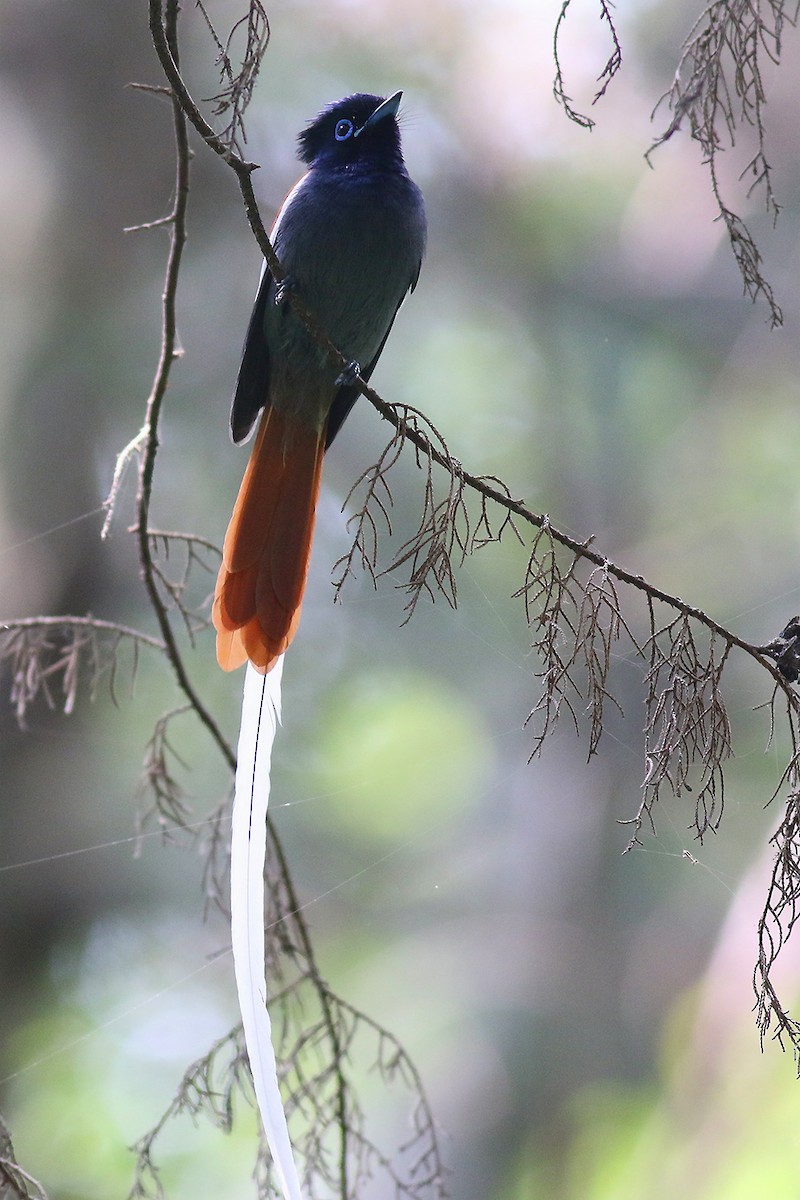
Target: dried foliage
(48, 657)
(236, 87)
(15, 1184)
(159, 776)
(576, 625)
(190, 554)
(573, 600)
(719, 91)
(447, 530)
(687, 731)
(585, 613)
(320, 1041)
(780, 913)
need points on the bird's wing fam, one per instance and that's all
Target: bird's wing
(348, 394)
(252, 384)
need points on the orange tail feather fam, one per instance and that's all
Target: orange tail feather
(268, 544)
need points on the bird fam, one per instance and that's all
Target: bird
(350, 237)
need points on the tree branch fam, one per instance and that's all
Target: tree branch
(592, 619)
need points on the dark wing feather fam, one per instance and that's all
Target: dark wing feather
(252, 384)
(346, 396)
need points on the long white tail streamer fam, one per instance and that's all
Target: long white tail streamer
(261, 713)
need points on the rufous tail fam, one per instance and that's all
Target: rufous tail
(268, 544)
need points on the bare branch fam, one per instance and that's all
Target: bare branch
(146, 443)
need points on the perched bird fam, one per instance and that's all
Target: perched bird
(351, 237)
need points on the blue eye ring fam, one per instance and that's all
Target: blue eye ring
(343, 130)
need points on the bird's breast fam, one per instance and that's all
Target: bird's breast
(352, 243)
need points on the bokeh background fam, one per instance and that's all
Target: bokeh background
(581, 1019)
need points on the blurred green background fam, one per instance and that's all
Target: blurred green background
(582, 1020)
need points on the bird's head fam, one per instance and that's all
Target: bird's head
(359, 129)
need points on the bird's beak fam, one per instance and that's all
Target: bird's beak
(388, 108)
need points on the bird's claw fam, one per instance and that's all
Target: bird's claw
(282, 290)
(349, 374)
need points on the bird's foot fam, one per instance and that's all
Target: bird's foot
(283, 291)
(349, 374)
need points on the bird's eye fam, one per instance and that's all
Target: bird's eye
(343, 130)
